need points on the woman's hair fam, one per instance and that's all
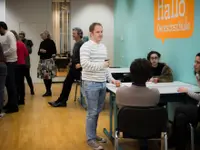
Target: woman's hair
(46, 33)
(2, 57)
(15, 34)
(140, 71)
(153, 52)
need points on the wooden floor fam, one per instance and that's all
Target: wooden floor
(37, 126)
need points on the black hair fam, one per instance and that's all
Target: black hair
(79, 31)
(93, 25)
(140, 71)
(198, 54)
(3, 25)
(153, 52)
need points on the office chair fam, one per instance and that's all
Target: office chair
(142, 123)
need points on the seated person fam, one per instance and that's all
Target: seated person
(186, 114)
(160, 71)
(138, 94)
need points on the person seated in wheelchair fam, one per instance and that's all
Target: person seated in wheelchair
(138, 94)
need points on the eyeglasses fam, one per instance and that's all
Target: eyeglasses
(153, 58)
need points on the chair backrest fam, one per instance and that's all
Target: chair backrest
(142, 122)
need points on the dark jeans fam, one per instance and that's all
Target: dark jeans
(11, 86)
(3, 73)
(28, 77)
(48, 83)
(20, 74)
(183, 116)
(74, 74)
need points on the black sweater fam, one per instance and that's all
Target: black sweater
(76, 53)
(50, 48)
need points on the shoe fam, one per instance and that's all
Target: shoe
(47, 94)
(2, 115)
(94, 145)
(32, 92)
(57, 104)
(13, 110)
(101, 140)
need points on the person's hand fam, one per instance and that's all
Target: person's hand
(78, 66)
(117, 83)
(182, 90)
(154, 80)
(43, 51)
(106, 64)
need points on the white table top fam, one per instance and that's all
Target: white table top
(164, 88)
(119, 70)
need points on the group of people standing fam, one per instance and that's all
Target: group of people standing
(14, 66)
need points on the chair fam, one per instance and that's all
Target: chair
(142, 123)
(78, 83)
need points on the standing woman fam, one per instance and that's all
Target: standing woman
(47, 67)
(22, 53)
(3, 73)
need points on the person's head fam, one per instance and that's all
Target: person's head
(197, 64)
(154, 58)
(77, 34)
(45, 35)
(140, 71)
(15, 34)
(3, 27)
(22, 35)
(96, 32)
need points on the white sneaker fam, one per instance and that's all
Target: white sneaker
(2, 114)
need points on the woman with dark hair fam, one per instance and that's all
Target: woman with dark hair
(22, 53)
(160, 71)
(186, 114)
(47, 68)
(3, 73)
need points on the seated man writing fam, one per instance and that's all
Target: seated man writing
(160, 71)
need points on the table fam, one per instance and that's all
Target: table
(166, 91)
(119, 70)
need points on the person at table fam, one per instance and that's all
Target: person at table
(46, 68)
(186, 114)
(93, 57)
(160, 71)
(138, 94)
(74, 72)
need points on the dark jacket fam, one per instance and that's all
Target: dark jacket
(29, 45)
(2, 57)
(166, 74)
(50, 48)
(76, 52)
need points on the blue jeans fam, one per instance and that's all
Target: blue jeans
(95, 93)
(3, 73)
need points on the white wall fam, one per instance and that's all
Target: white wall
(2, 10)
(85, 12)
(33, 17)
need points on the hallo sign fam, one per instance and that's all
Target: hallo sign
(173, 19)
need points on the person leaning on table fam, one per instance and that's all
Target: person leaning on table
(186, 114)
(161, 72)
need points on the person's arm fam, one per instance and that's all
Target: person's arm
(13, 46)
(77, 54)
(85, 60)
(166, 75)
(109, 76)
(193, 95)
(25, 50)
(29, 46)
(54, 51)
(39, 53)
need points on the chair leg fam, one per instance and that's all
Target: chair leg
(192, 136)
(75, 94)
(166, 144)
(116, 141)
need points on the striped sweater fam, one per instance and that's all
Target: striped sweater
(92, 57)
(195, 96)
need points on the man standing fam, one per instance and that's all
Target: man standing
(74, 72)
(94, 61)
(29, 45)
(10, 52)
